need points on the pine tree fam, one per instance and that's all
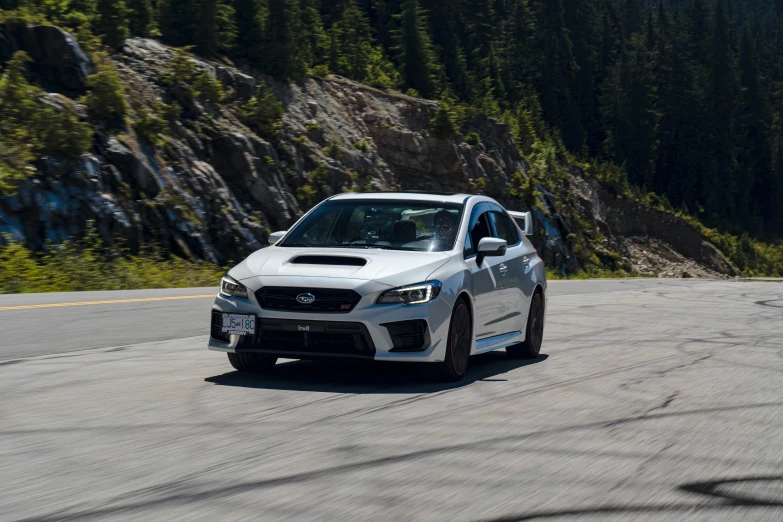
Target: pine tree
(516, 47)
(414, 50)
(583, 19)
(632, 17)
(445, 21)
(285, 57)
(680, 138)
(698, 26)
(481, 32)
(313, 41)
(755, 165)
(112, 22)
(722, 90)
(140, 18)
(775, 225)
(556, 72)
(179, 21)
(250, 19)
(630, 105)
(217, 27)
(350, 43)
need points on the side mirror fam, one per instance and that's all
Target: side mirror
(528, 230)
(492, 246)
(524, 220)
(274, 237)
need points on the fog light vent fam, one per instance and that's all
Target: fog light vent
(216, 332)
(409, 336)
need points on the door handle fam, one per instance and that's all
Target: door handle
(503, 268)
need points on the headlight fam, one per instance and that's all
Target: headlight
(232, 288)
(413, 294)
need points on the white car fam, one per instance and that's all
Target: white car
(405, 277)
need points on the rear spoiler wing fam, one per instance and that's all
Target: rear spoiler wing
(524, 220)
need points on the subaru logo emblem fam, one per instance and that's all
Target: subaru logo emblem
(305, 298)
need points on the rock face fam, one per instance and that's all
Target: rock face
(59, 63)
(215, 189)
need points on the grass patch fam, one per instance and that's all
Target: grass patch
(589, 273)
(84, 264)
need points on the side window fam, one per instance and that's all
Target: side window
(479, 230)
(504, 228)
(469, 250)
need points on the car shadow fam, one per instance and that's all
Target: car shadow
(371, 377)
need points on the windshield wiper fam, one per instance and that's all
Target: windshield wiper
(389, 247)
(382, 247)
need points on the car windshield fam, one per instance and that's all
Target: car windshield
(392, 225)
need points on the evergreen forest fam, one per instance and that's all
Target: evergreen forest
(682, 98)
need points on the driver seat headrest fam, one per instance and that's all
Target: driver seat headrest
(404, 231)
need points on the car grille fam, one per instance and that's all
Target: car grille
(309, 339)
(283, 299)
(217, 327)
(409, 336)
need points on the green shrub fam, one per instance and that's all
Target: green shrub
(362, 146)
(381, 72)
(169, 112)
(301, 139)
(334, 151)
(183, 71)
(151, 127)
(86, 264)
(443, 124)
(34, 124)
(307, 195)
(107, 94)
(319, 72)
(208, 88)
(320, 174)
(262, 112)
(473, 138)
(10, 179)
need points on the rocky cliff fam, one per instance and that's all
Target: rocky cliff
(213, 189)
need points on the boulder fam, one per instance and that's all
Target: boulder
(59, 63)
(133, 166)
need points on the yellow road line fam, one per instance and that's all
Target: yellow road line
(114, 301)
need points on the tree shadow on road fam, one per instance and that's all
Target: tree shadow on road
(370, 377)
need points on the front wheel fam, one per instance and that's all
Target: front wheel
(458, 347)
(534, 333)
(251, 362)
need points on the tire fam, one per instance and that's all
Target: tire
(251, 362)
(534, 332)
(455, 365)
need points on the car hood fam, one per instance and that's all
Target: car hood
(390, 267)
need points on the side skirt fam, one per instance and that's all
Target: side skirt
(497, 342)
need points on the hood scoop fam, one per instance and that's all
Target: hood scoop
(329, 260)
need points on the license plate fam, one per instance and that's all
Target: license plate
(239, 324)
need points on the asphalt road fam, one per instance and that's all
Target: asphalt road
(655, 400)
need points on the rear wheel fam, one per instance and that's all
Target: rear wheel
(458, 348)
(251, 362)
(534, 332)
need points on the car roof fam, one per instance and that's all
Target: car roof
(405, 196)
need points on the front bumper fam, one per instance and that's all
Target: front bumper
(366, 321)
